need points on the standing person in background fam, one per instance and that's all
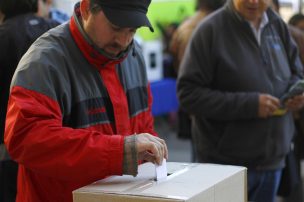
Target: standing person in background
(239, 63)
(291, 183)
(20, 28)
(297, 20)
(80, 103)
(184, 31)
(294, 28)
(46, 10)
(178, 45)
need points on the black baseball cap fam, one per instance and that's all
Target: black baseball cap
(126, 13)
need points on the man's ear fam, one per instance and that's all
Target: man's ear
(85, 9)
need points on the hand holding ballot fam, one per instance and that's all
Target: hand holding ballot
(151, 148)
(268, 105)
(143, 147)
(292, 100)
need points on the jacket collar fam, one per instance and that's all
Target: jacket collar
(91, 52)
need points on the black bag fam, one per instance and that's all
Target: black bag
(290, 175)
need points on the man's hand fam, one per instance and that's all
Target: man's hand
(144, 147)
(295, 103)
(151, 148)
(267, 105)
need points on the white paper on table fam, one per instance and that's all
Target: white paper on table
(161, 171)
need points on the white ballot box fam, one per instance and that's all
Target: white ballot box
(185, 182)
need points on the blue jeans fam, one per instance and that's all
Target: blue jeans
(263, 185)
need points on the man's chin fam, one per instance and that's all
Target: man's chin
(112, 53)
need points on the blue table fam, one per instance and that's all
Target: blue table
(164, 96)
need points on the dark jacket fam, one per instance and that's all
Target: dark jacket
(16, 35)
(221, 77)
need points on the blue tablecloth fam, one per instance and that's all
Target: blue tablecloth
(164, 96)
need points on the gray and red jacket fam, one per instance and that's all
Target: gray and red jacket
(69, 110)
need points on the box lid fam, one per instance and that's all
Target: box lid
(184, 181)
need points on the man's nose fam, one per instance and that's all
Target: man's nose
(123, 38)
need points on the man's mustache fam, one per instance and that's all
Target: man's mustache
(117, 46)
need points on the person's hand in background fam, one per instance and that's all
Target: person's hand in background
(267, 105)
(295, 103)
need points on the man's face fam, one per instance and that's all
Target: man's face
(251, 10)
(112, 39)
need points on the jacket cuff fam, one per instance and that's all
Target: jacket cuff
(130, 160)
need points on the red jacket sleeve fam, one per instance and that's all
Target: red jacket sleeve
(35, 137)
